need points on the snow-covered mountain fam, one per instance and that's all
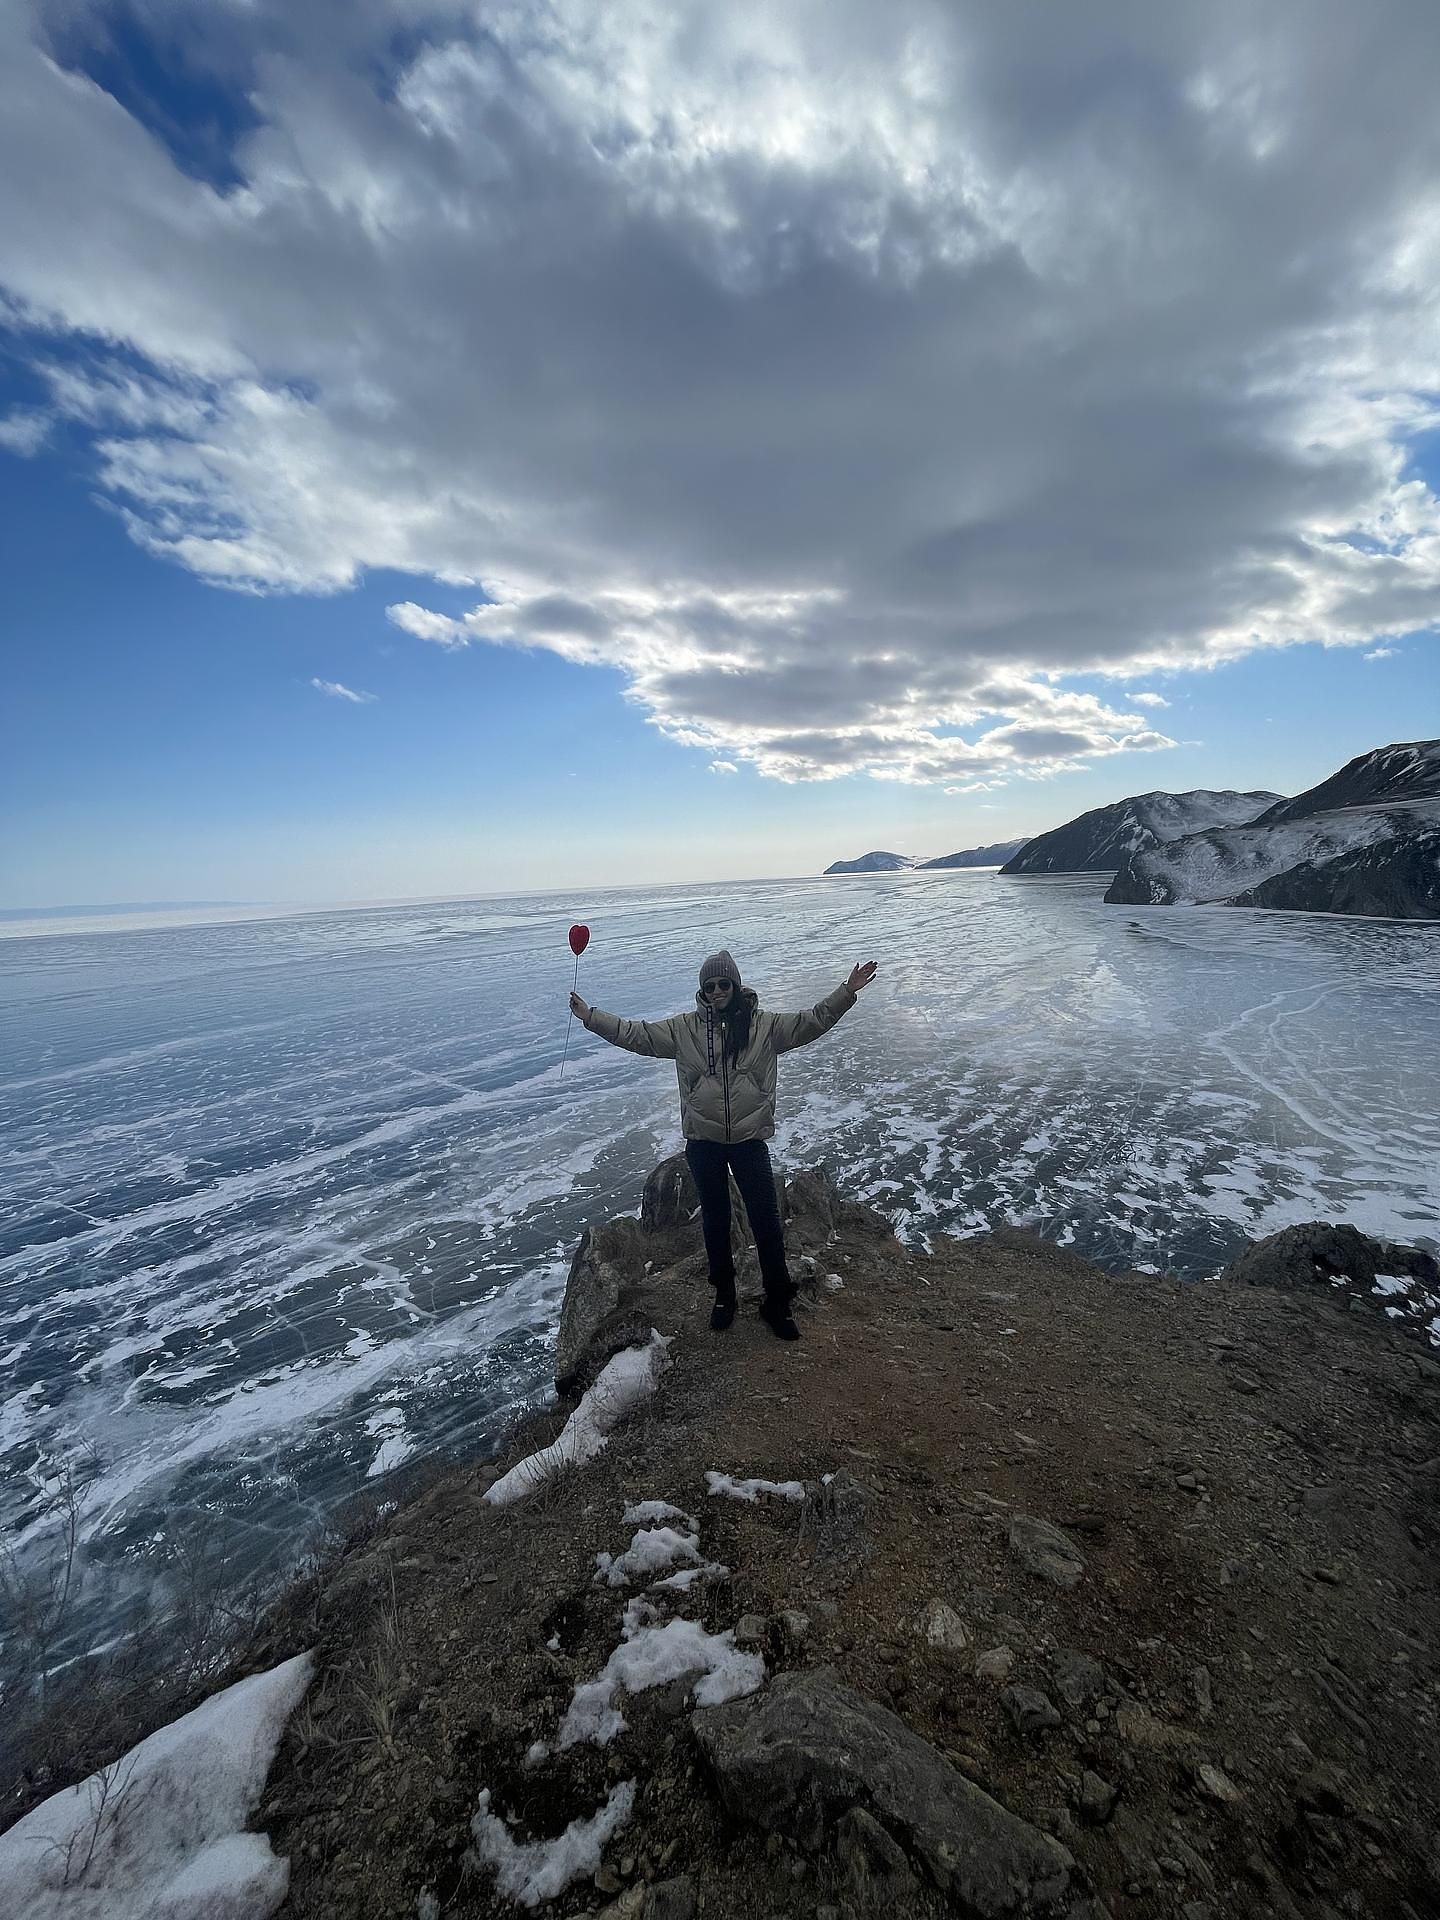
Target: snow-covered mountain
(1367, 840)
(992, 856)
(1398, 879)
(1409, 770)
(873, 863)
(1106, 837)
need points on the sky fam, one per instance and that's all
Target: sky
(451, 448)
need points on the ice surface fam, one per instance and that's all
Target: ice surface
(268, 1184)
(161, 1831)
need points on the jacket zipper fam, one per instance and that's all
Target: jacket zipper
(724, 1068)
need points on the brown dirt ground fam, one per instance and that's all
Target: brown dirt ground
(946, 1391)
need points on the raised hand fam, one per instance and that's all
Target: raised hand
(861, 976)
(578, 1007)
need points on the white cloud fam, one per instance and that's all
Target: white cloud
(846, 377)
(1147, 699)
(338, 692)
(723, 766)
(1380, 653)
(24, 430)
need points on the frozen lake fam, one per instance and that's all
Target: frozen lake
(289, 1200)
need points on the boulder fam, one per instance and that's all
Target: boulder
(670, 1209)
(1402, 1282)
(811, 1210)
(599, 1315)
(670, 1198)
(802, 1753)
(1318, 1252)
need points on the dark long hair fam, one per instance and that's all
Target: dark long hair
(736, 1022)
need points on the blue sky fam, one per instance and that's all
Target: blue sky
(682, 513)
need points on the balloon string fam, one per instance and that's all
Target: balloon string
(571, 1021)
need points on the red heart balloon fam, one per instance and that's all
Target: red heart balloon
(579, 940)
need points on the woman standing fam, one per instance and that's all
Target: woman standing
(725, 1054)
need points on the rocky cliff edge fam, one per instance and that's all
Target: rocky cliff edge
(1013, 1587)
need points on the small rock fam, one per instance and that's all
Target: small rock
(943, 1628)
(1323, 1791)
(752, 1630)
(996, 1665)
(1189, 1481)
(1078, 1678)
(1030, 1709)
(794, 1627)
(1142, 1728)
(1200, 1687)
(1097, 1798)
(1216, 1785)
(1043, 1549)
(605, 1879)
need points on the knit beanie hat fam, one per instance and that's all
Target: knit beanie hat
(719, 966)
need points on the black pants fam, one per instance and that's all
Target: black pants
(749, 1160)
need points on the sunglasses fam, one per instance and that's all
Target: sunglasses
(718, 986)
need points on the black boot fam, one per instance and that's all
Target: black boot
(723, 1311)
(775, 1312)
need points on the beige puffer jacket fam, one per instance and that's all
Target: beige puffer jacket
(722, 1099)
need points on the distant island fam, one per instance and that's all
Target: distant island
(874, 863)
(992, 856)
